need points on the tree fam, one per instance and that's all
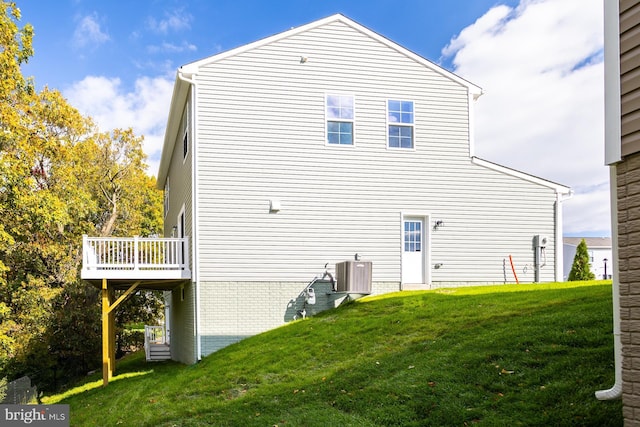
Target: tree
(60, 178)
(15, 49)
(581, 268)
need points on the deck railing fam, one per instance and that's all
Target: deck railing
(134, 254)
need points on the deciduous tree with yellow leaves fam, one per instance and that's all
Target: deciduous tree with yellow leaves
(60, 178)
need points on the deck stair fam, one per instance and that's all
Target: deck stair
(156, 343)
(159, 352)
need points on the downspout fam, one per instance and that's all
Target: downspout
(612, 148)
(559, 260)
(195, 238)
(615, 392)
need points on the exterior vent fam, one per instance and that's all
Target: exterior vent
(354, 277)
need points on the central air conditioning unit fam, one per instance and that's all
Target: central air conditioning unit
(354, 277)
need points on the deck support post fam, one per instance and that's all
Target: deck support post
(107, 363)
(109, 327)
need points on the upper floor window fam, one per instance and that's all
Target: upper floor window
(185, 144)
(184, 127)
(400, 120)
(340, 119)
(166, 197)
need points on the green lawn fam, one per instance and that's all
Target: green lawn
(496, 356)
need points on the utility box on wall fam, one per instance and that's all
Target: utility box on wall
(354, 277)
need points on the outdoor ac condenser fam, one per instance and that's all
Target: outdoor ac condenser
(354, 277)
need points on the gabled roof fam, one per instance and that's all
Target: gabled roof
(592, 242)
(193, 67)
(186, 73)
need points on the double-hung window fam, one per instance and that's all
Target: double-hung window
(400, 122)
(340, 116)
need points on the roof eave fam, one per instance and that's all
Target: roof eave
(178, 98)
(559, 188)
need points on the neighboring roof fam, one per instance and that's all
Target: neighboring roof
(592, 242)
(186, 73)
(560, 189)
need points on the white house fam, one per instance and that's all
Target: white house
(600, 255)
(325, 141)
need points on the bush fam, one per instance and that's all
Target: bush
(129, 341)
(581, 268)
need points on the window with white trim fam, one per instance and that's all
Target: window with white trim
(400, 123)
(184, 126)
(185, 144)
(166, 197)
(340, 119)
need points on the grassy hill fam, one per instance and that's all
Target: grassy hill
(501, 355)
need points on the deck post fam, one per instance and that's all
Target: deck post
(106, 334)
(112, 334)
(109, 304)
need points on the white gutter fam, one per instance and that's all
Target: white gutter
(615, 392)
(195, 238)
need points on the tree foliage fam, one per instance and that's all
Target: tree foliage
(581, 268)
(60, 178)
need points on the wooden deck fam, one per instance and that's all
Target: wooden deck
(122, 266)
(153, 262)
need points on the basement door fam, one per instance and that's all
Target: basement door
(413, 250)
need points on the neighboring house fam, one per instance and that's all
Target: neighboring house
(326, 141)
(600, 255)
(622, 154)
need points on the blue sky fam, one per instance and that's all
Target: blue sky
(539, 63)
(125, 39)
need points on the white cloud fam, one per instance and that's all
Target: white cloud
(540, 65)
(88, 32)
(173, 21)
(583, 213)
(144, 109)
(167, 47)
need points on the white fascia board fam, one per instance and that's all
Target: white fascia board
(193, 67)
(178, 99)
(559, 188)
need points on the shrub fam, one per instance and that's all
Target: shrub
(581, 268)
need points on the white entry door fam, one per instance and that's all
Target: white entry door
(413, 247)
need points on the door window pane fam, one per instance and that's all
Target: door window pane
(413, 236)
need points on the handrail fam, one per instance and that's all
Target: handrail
(135, 253)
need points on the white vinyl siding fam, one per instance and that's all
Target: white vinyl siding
(335, 203)
(179, 202)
